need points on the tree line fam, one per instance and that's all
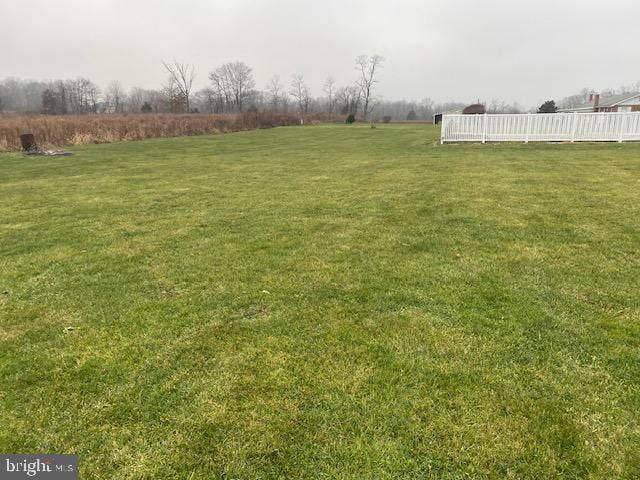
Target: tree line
(231, 88)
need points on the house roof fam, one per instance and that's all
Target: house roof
(449, 112)
(606, 102)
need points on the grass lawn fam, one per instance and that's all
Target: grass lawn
(323, 302)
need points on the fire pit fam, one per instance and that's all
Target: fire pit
(30, 147)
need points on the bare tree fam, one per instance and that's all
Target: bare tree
(300, 92)
(181, 77)
(208, 98)
(139, 97)
(426, 108)
(285, 100)
(54, 99)
(329, 89)
(243, 82)
(115, 97)
(221, 86)
(82, 95)
(500, 106)
(173, 98)
(154, 99)
(350, 98)
(368, 68)
(275, 92)
(233, 81)
(136, 99)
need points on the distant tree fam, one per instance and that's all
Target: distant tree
(576, 100)
(136, 99)
(548, 107)
(181, 76)
(62, 97)
(22, 95)
(169, 93)
(82, 95)
(500, 106)
(146, 108)
(49, 104)
(54, 100)
(115, 97)
(426, 108)
(243, 83)
(329, 89)
(368, 67)
(300, 92)
(233, 82)
(349, 98)
(178, 103)
(155, 98)
(286, 101)
(207, 99)
(275, 91)
(411, 116)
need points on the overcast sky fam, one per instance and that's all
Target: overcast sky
(522, 51)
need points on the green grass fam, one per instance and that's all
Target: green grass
(323, 302)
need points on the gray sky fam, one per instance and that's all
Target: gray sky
(516, 50)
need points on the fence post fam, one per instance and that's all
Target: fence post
(574, 124)
(526, 137)
(484, 129)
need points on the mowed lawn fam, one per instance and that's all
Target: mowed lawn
(323, 302)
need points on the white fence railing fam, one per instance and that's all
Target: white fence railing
(542, 127)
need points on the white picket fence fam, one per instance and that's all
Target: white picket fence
(542, 127)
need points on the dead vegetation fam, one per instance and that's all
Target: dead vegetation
(58, 131)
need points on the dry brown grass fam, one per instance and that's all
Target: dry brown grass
(58, 131)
